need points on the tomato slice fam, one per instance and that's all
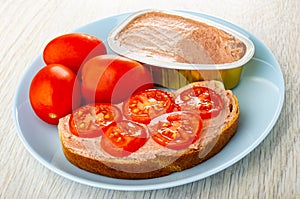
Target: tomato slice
(145, 105)
(89, 120)
(176, 130)
(124, 137)
(200, 99)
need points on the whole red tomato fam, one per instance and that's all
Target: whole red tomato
(54, 92)
(72, 49)
(111, 78)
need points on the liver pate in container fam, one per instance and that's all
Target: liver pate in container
(180, 48)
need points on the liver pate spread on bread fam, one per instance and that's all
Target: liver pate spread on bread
(152, 159)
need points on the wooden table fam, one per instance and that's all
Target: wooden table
(272, 170)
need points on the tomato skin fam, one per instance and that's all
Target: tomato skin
(145, 105)
(112, 79)
(123, 138)
(54, 92)
(176, 130)
(201, 100)
(90, 120)
(72, 49)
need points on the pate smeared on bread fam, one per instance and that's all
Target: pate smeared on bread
(152, 159)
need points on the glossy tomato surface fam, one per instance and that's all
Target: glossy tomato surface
(54, 92)
(73, 49)
(112, 79)
(202, 100)
(123, 138)
(145, 105)
(90, 120)
(176, 130)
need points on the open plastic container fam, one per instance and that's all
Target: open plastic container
(179, 48)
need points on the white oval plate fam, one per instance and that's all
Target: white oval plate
(260, 94)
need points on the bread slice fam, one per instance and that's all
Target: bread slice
(153, 160)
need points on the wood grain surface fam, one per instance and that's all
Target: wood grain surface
(272, 170)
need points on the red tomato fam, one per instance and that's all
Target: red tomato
(72, 49)
(176, 130)
(123, 137)
(203, 100)
(145, 105)
(54, 92)
(90, 120)
(111, 78)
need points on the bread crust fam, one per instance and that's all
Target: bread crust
(162, 164)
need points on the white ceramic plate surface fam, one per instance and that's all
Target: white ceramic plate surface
(260, 93)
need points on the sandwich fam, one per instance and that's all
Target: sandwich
(154, 133)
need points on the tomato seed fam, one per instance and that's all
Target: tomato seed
(132, 105)
(135, 110)
(118, 139)
(165, 124)
(185, 98)
(107, 116)
(174, 134)
(185, 122)
(116, 134)
(81, 125)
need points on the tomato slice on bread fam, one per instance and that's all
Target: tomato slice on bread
(201, 100)
(124, 137)
(88, 121)
(145, 105)
(176, 130)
